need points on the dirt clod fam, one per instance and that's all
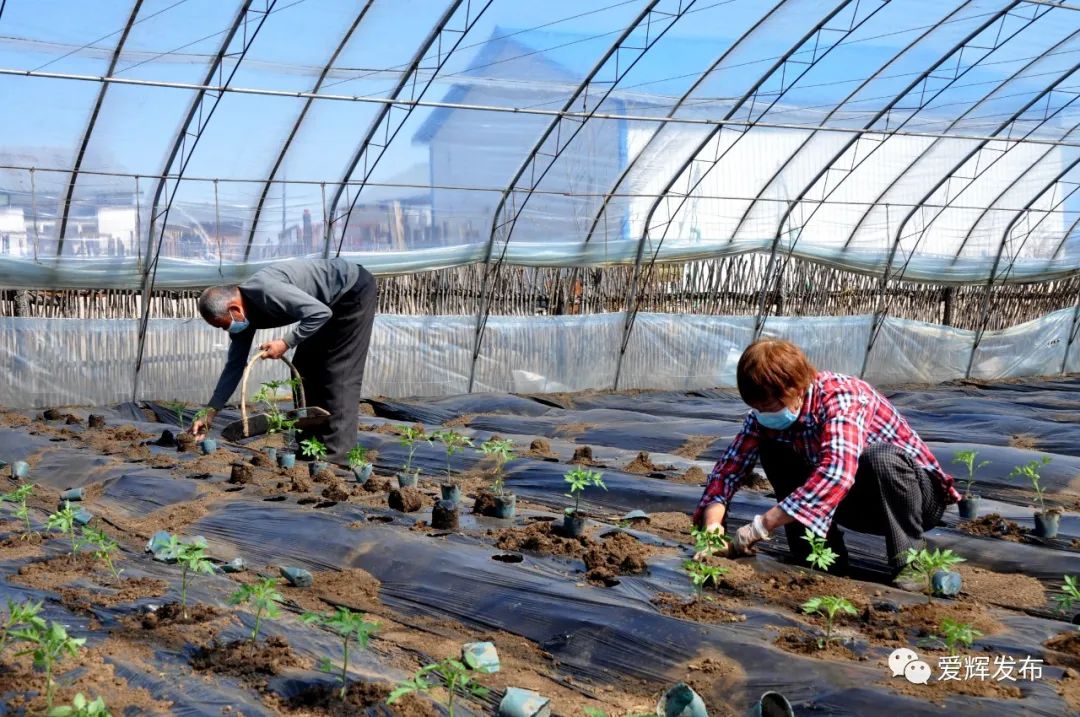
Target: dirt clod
(376, 485)
(993, 525)
(484, 503)
(406, 500)
(52, 414)
(444, 517)
(173, 614)
(326, 699)
(242, 474)
(96, 421)
(583, 454)
(300, 484)
(167, 439)
(336, 491)
(643, 465)
(185, 443)
(620, 554)
(243, 657)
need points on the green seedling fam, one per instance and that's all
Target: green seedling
(350, 626)
(1070, 593)
(502, 451)
(967, 459)
(922, 564)
(453, 672)
(64, 521)
(453, 442)
(954, 634)
(580, 479)
(48, 645)
(821, 555)
(178, 407)
(201, 415)
(709, 542)
(104, 548)
(702, 574)
(410, 435)
(829, 606)
(1030, 471)
(192, 559)
(19, 497)
(264, 596)
(314, 449)
(81, 707)
(21, 615)
(357, 457)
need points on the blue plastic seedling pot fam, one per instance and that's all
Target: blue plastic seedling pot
(297, 577)
(1046, 524)
(481, 657)
(407, 480)
(969, 508)
(573, 525)
(524, 703)
(286, 459)
(20, 470)
(771, 704)
(271, 453)
(444, 516)
(72, 494)
(451, 493)
(946, 583)
(316, 466)
(208, 445)
(681, 701)
(505, 506)
(362, 473)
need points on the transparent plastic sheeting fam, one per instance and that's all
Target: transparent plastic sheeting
(81, 362)
(942, 134)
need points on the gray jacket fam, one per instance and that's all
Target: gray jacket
(303, 290)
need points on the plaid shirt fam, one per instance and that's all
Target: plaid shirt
(841, 415)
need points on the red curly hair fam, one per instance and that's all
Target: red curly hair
(773, 370)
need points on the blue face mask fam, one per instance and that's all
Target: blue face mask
(777, 420)
(238, 326)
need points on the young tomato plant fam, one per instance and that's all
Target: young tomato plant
(104, 548)
(81, 707)
(314, 449)
(821, 555)
(453, 672)
(954, 634)
(1030, 470)
(410, 436)
(19, 497)
(580, 479)
(48, 645)
(64, 521)
(967, 459)
(350, 627)
(502, 451)
(357, 457)
(702, 574)
(264, 596)
(192, 559)
(922, 564)
(178, 407)
(829, 606)
(709, 542)
(453, 442)
(1070, 593)
(21, 615)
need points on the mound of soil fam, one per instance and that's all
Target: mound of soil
(242, 474)
(484, 503)
(694, 446)
(244, 657)
(167, 439)
(793, 589)
(540, 538)
(706, 611)
(993, 526)
(185, 443)
(377, 485)
(642, 465)
(127, 590)
(261, 460)
(802, 643)
(619, 554)
(300, 484)
(693, 475)
(1014, 590)
(406, 500)
(326, 699)
(336, 491)
(1064, 650)
(96, 421)
(540, 448)
(173, 614)
(460, 421)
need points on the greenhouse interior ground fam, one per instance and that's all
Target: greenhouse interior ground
(573, 219)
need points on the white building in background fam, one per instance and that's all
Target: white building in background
(121, 224)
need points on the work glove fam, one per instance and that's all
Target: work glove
(743, 541)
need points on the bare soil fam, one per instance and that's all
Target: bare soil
(325, 699)
(173, 614)
(1013, 590)
(1064, 650)
(245, 658)
(803, 643)
(461, 421)
(618, 554)
(993, 525)
(406, 500)
(693, 475)
(698, 610)
(694, 447)
(643, 465)
(1025, 441)
(540, 538)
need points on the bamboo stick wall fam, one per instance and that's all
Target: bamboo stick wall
(728, 286)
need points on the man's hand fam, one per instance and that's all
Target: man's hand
(201, 426)
(274, 349)
(747, 536)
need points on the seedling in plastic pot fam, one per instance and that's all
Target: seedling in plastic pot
(19, 497)
(709, 542)
(1030, 471)
(192, 559)
(350, 626)
(410, 435)
(314, 449)
(922, 564)
(64, 521)
(200, 415)
(579, 479)
(453, 672)
(48, 645)
(104, 548)
(178, 407)
(453, 442)
(702, 574)
(821, 555)
(81, 707)
(829, 606)
(967, 459)
(1070, 593)
(502, 451)
(264, 596)
(359, 463)
(20, 615)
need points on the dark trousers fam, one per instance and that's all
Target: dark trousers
(891, 496)
(331, 363)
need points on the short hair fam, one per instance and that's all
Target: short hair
(773, 370)
(214, 301)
